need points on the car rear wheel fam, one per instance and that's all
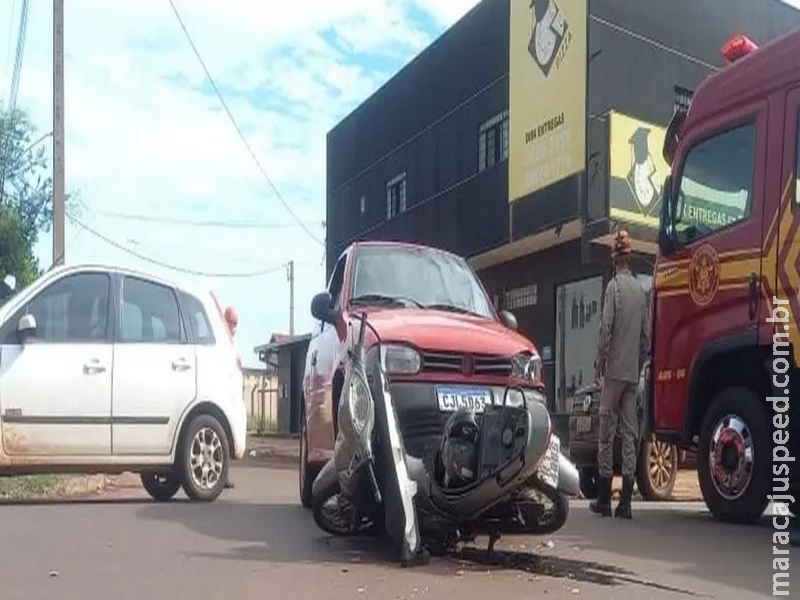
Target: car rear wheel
(205, 457)
(734, 457)
(657, 469)
(307, 472)
(161, 486)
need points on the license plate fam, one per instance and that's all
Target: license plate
(548, 468)
(583, 424)
(455, 398)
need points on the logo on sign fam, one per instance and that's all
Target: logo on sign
(704, 275)
(550, 36)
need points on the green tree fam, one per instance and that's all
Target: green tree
(16, 254)
(26, 195)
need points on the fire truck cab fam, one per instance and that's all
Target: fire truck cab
(725, 308)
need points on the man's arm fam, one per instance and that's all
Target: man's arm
(606, 324)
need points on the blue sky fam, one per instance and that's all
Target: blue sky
(146, 136)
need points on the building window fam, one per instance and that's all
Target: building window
(395, 196)
(521, 297)
(493, 141)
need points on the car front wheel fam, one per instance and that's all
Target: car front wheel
(306, 472)
(205, 458)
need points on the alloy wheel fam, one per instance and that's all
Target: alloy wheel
(661, 464)
(206, 458)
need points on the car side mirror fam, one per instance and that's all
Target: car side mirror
(321, 307)
(508, 319)
(26, 328)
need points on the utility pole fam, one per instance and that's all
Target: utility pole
(290, 278)
(59, 191)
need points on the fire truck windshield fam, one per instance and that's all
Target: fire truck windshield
(715, 185)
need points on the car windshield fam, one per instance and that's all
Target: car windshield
(418, 277)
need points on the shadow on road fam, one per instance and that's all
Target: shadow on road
(265, 532)
(688, 541)
(579, 571)
(285, 533)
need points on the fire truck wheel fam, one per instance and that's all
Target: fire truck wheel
(734, 457)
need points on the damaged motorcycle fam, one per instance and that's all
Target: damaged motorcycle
(500, 472)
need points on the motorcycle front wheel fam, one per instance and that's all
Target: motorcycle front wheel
(333, 514)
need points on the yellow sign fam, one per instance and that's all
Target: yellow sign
(637, 170)
(547, 93)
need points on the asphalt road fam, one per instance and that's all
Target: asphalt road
(256, 542)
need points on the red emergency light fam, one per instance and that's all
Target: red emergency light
(737, 47)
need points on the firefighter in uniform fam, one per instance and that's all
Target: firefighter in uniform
(622, 347)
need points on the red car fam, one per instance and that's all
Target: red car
(446, 345)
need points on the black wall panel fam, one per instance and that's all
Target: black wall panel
(425, 120)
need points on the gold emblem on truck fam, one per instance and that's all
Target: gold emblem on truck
(704, 275)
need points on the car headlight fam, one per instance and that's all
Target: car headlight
(526, 365)
(400, 360)
(360, 404)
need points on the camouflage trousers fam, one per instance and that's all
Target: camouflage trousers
(617, 407)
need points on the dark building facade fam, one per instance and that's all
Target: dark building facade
(426, 158)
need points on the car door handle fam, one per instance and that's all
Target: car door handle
(93, 367)
(180, 365)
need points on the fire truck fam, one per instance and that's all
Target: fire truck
(725, 309)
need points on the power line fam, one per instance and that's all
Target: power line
(236, 125)
(655, 43)
(10, 31)
(192, 223)
(165, 265)
(8, 122)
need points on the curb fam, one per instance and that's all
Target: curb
(273, 436)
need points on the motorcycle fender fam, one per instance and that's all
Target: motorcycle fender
(397, 472)
(326, 482)
(569, 481)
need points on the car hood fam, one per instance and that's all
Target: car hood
(441, 331)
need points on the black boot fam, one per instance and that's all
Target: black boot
(602, 506)
(623, 510)
(229, 483)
